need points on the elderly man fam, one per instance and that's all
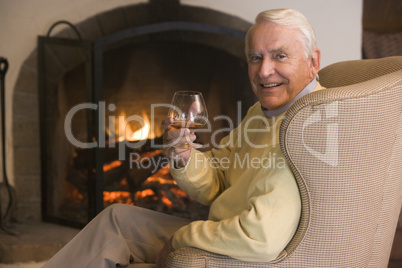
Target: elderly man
(254, 208)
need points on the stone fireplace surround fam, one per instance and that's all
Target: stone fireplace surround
(25, 121)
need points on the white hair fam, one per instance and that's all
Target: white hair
(291, 18)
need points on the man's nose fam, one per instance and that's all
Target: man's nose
(267, 68)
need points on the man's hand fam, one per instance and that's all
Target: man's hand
(163, 254)
(173, 138)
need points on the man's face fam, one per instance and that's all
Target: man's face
(277, 66)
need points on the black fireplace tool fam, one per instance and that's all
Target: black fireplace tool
(4, 219)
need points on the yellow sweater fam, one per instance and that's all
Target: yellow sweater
(254, 198)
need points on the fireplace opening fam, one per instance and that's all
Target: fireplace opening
(139, 77)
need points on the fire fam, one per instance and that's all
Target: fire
(166, 200)
(140, 134)
(144, 193)
(161, 180)
(75, 193)
(179, 192)
(126, 128)
(159, 191)
(112, 165)
(162, 176)
(117, 197)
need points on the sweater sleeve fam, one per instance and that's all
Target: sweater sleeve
(203, 178)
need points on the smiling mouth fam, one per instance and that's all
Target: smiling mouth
(271, 85)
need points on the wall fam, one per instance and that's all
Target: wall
(382, 16)
(337, 25)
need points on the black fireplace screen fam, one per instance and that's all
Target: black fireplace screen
(86, 163)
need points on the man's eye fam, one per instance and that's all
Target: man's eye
(255, 58)
(280, 56)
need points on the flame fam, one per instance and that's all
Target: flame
(140, 134)
(75, 193)
(112, 165)
(122, 129)
(117, 197)
(166, 200)
(179, 193)
(144, 193)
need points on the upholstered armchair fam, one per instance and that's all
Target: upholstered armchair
(344, 145)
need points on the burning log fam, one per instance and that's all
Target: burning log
(137, 166)
(142, 178)
(142, 166)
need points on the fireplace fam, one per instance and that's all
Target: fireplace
(100, 116)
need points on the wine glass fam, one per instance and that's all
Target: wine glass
(188, 110)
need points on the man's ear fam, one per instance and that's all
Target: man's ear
(315, 61)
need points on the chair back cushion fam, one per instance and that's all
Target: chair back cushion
(347, 73)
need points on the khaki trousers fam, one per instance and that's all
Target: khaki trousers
(118, 236)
